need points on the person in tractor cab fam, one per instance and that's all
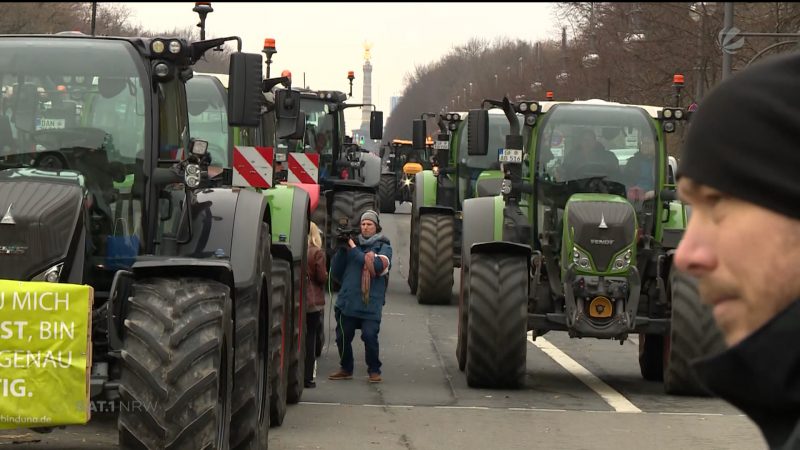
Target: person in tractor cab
(739, 172)
(588, 152)
(639, 171)
(363, 270)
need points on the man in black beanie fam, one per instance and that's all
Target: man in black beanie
(739, 171)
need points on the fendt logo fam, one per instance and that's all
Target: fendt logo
(730, 41)
(602, 241)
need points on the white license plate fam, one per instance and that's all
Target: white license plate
(441, 145)
(511, 156)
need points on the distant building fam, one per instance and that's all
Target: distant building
(394, 100)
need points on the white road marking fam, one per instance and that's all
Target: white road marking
(612, 397)
(486, 408)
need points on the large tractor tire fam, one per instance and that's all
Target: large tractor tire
(281, 320)
(413, 252)
(693, 335)
(387, 191)
(463, 319)
(351, 205)
(297, 352)
(497, 326)
(250, 403)
(435, 261)
(651, 356)
(177, 360)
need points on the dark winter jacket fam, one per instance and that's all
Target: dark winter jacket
(347, 266)
(761, 376)
(317, 277)
(639, 170)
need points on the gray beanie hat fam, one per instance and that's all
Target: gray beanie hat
(371, 215)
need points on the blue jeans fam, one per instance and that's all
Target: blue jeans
(345, 332)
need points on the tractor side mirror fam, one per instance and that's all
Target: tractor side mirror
(478, 132)
(376, 125)
(244, 90)
(287, 112)
(418, 134)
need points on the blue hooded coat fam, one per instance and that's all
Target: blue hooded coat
(347, 265)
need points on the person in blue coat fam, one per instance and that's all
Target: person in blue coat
(362, 268)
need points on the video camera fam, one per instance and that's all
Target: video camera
(345, 233)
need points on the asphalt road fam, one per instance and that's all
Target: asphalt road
(578, 394)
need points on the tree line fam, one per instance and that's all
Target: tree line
(622, 52)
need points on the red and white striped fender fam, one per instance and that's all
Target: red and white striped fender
(252, 166)
(303, 168)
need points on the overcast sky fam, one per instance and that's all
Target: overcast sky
(325, 40)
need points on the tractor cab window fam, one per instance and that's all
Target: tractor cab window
(173, 136)
(607, 149)
(208, 118)
(318, 137)
(78, 105)
(475, 164)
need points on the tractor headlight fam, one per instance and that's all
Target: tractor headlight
(157, 46)
(523, 107)
(50, 275)
(580, 259)
(161, 69)
(530, 120)
(669, 126)
(679, 114)
(622, 261)
(192, 177)
(174, 47)
(505, 188)
(667, 113)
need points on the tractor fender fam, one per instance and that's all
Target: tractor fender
(504, 247)
(424, 189)
(478, 224)
(225, 224)
(436, 210)
(313, 192)
(289, 212)
(372, 168)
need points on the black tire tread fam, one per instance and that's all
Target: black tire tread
(175, 380)
(245, 431)
(387, 191)
(497, 327)
(281, 309)
(693, 334)
(435, 261)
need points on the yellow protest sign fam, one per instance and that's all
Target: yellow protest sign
(45, 354)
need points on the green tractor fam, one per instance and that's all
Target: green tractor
(347, 175)
(439, 194)
(580, 240)
(107, 188)
(240, 151)
(400, 161)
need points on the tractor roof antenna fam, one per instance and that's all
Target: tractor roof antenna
(269, 50)
(202, 9)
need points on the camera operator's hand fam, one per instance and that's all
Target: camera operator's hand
(351, 243)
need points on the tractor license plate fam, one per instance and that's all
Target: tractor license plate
(510, 156)
(441, 145)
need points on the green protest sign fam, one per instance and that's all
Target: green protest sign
(45, 354)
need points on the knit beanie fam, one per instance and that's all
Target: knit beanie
(371, 215)
(744, 139)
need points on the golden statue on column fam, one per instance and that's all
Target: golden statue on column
(367, 47)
